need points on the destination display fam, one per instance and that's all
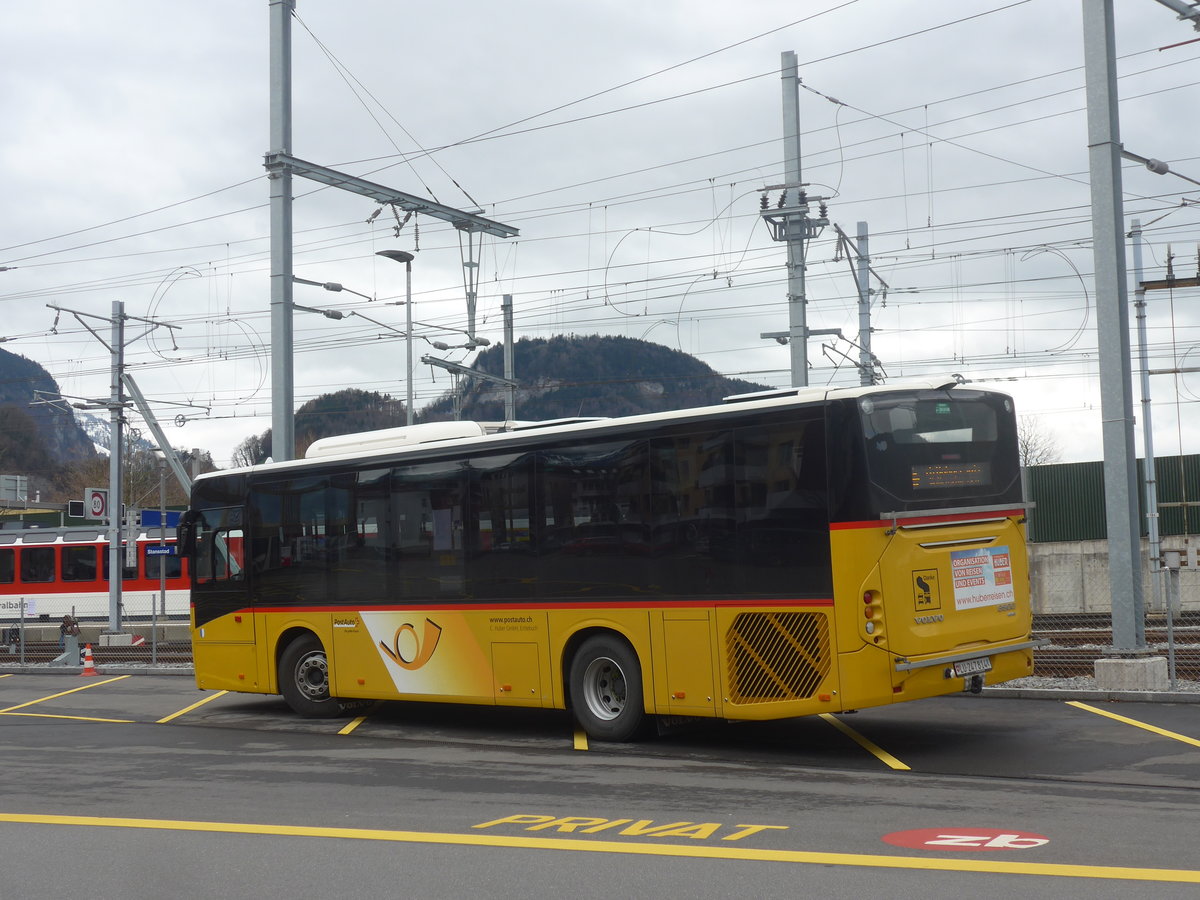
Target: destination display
(951, 475)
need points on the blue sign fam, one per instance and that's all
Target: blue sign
(156, 550)
(152, 518)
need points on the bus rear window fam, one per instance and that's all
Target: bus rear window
(935, 448)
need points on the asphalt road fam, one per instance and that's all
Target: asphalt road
(123, 788)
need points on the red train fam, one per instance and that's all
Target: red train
(54, 572)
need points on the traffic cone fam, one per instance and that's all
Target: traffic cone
(89, 666)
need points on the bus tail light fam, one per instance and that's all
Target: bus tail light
(873, 615)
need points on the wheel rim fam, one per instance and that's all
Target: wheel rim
(604, 689)
(312, 675)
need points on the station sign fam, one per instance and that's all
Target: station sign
(156, 550)
(152, 518)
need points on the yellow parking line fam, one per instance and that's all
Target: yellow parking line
(64, 693)
(581, 741)
(866, 744)
(862, 860)
(7, 675)
(76, 718)
(352, 724)
(188, 709)
(1134, 722)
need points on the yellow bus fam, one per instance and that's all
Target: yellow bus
(778, 555)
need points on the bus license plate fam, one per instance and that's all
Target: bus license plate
(973, 666)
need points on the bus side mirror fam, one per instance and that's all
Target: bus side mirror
(186, 534)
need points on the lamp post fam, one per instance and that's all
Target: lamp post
(161, 455)
(407, 258)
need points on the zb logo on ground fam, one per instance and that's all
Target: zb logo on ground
(409, 650)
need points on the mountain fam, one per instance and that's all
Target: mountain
(596, 375)
(559, 377)
(99, 432)
(35, 438)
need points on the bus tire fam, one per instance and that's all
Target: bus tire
(606, 690)
(304, 679)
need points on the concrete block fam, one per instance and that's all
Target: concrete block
(120, 639)
(1142, 674)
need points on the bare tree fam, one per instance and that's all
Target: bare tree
(1036, 443)
(253, 450)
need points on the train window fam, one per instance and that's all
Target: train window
(79, 563)
(37, 564)
(154, 564)
(128, 573)
(8, 566)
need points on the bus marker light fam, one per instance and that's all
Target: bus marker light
(824, 698)
(237, 618)
(504, 688)
(679, 695)
(362, 681)
(241, 676)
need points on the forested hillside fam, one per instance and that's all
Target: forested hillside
(560, 377)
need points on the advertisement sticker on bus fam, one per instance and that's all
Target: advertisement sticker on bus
(434, 653)
(982, 577)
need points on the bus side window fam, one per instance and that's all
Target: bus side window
(218, 555)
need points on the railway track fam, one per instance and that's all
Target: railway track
(167, 653)
(1068, 662)
(1076, 642)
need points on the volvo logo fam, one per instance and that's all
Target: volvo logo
(928, 620)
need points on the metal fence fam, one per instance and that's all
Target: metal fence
(146, 637)
(1072, 604)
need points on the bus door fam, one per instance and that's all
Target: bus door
(220, 594)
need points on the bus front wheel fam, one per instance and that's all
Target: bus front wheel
(606, 690)
(304, 679)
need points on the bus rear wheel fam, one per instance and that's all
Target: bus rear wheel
(606, 690)
(304, 679)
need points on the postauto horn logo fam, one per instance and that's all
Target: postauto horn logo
(419, 648)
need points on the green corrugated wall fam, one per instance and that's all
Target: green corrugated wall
(1069, 499)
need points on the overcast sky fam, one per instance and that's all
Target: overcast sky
(629, 143)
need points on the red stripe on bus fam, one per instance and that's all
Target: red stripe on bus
(577, 605)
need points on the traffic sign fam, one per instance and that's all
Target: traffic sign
(95, 503)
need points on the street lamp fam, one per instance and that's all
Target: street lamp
(407, 258)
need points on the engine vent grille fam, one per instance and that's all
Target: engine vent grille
(777, 656)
